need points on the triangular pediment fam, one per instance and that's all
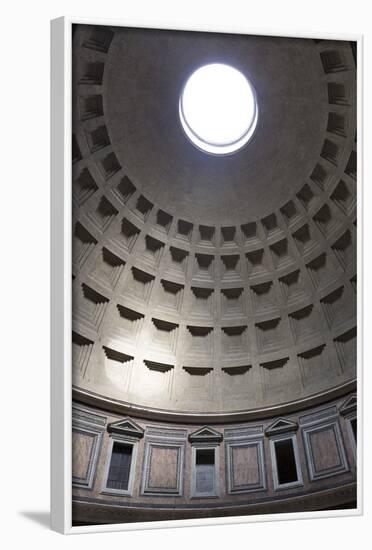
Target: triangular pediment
(126, 426)
(281, 425)
(349, 405)
(206, 435)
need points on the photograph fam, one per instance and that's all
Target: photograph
(213, 182)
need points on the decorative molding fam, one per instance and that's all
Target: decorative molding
(156, 366)
(236, 370)
(95, 433)
(115, 355)
(323, 499)
(255, 445)
(243, 432)
(281, 426)
(348, 406)
(197, 371)
(166, 432)
(205, 435)
(148, 486)
(119, 406)
(85, 416)
(340, 464)
(318, 416)
(126, 426)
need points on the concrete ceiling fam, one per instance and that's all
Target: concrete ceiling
(224, 320)
(144, 75)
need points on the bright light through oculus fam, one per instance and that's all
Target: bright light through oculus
(218, 109)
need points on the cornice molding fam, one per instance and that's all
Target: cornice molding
(121, 407)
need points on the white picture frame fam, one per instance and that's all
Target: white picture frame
(61, 303)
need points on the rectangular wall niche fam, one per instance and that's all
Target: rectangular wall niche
(86, 444)
(204, 478)
(120, 466)
(121, 459)
(245, 466)
(318, 438)
(285, 462)
(163, 468)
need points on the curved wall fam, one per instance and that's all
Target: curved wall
(163, 468)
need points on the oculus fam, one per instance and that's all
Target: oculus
(218, 109)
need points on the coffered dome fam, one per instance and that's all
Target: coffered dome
(216, 286)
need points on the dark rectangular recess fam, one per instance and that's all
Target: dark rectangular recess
(121, 459)
(353, 423)
(204, 470)
(285, 461)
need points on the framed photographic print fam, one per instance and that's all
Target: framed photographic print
(205, 306)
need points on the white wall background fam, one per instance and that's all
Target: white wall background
(24, 218)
